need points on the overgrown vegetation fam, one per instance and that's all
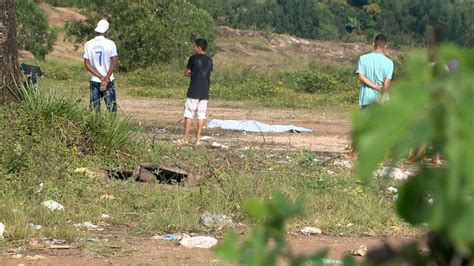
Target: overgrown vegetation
(163, 32)
(46, 138)
(309, 87)
(34, 32)
(404, 21)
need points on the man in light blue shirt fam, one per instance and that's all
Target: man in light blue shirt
(375, 72)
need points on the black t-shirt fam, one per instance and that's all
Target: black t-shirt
(201, 67)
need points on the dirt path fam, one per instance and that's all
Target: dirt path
(330, 126)
(162, 252)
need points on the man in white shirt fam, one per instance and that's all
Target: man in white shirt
(100, 59)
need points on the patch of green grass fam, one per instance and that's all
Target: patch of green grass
(46, 137)
(306, 87)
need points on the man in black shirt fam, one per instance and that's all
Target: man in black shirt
(199, 68)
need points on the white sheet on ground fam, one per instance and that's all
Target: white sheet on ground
(254, 126)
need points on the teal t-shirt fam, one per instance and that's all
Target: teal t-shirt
(376, 67)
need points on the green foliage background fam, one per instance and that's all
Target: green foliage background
(404, 21)
(34, 32)
(147, 32)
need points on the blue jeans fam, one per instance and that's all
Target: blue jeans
(109, 96)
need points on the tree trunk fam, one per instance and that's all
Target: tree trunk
(8, 51)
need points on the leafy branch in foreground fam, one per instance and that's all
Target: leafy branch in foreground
(266, 244)
(430, 106)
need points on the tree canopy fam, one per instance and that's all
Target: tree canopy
(405, 21)
(34, 32)
(147, 32)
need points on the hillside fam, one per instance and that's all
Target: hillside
(264, 51)
(255, 50)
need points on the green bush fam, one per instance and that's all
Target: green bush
(258, 88)
(155, 77)
(313, 80)
(147, 33)
(34, 33)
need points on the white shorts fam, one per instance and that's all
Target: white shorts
(195, 106)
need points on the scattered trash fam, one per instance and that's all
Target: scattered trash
(51, 243)
(330, 172)
(349, 225)
(342, 163)
(107, 197)
(39, 189)
(2, 230)
(171, 237)
(360, 251)
(311, 231)
(52, 205)
(217, 221)
(59, 247)
(198, 242)
(104, 216)
(91, 239)
(80, 170)
(392, 190)
(332, 262)
(92, 172)
(219, 146)
(392, 173)
(206, 138)
(17, 256)
(36, 226)
(160, 130)
(430, 201)
(89, 226)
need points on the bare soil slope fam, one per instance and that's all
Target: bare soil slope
(239, 48)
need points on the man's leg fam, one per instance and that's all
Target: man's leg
(190, 107)
(200, 126)
(110, 97)
(201, 113)
(95, 96)
(353, 153)
(437, 159)
(188, 122)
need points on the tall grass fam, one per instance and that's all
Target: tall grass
(46, 137)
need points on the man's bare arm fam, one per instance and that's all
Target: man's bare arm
(369, 83)
(387, 83)
(187, 72)
(113, 65)
(91, 69)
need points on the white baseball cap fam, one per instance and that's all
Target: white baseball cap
(102, 26)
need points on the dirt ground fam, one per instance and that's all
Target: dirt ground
(163, 252)
(330, 126)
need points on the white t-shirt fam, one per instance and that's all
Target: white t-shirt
(99, 52)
